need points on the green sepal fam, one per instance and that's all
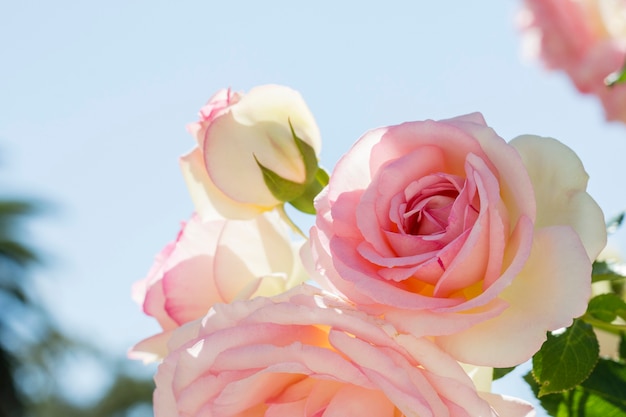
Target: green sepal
(286, 190)
(617, 77)
(304, 202)
(308, 156)
(281, 188)
(566, 360)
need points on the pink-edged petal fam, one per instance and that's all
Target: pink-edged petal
(476, 118)
(391, 181)
(163, 399)
(316, 258)
(190, 289)
(258, 128)
(342, 214)
(560, 181)
(409, 391)
(154, 305)
(553, 288)
(360, 275)
(231, 148)
(516, 189)
(217, 105)
(422, 323)
(405, 138)
(352, 171)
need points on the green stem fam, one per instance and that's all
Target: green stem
(285, 217)
(602, 325)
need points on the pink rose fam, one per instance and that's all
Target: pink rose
(585, 39)
(235, 133)
(304, 353)
(211, 262)
(448, 231)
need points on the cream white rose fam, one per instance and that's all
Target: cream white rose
(235, 134)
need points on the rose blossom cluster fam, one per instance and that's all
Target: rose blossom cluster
(584, 38)
(439, 251)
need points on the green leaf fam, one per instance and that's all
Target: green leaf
(602, 394)
(567, 359)
(549, 402)
(617, 77)
(609, 381)
(607, 307)
(500, 372)
(622, 347)
(603, 271)
(615, 222)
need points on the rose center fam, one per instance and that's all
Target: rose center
(428, 206)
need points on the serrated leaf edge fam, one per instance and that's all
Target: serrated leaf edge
(540, 394)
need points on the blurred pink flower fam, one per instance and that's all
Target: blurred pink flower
(306, 353)
(210, 262)
(584, 38)
(446, 230)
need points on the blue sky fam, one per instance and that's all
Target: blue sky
(95, 97)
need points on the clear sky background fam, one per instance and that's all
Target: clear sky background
(95, 97)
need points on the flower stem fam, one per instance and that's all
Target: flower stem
(602, 325)
(292, 225)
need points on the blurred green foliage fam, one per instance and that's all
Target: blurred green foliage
(33, 352)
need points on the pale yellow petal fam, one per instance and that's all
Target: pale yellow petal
(560, 182)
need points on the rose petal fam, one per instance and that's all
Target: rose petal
(257, 128)
(266, 251)
(560, 181)
(504, 405)
(208, 200)
(553, 287)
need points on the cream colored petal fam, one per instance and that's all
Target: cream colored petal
(211, 203)
(152, 349)
(279, 104)
(560, 181)
(503, 405)
(257, 130)
(229, 155)
(250, 250)
(482, 376)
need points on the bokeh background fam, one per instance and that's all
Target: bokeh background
(95, 97)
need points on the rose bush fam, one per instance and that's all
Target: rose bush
(586, 39)
(304, 353)
(235, 133)
(448, 231)
(210, 262)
